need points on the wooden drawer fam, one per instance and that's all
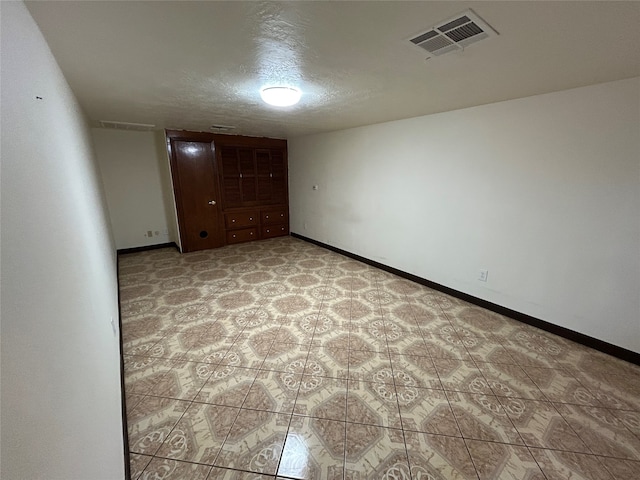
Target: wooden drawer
(274, 231)
(274, 217)
(240, 219)
(244, 235)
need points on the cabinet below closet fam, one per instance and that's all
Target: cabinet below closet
(243, 225)
(236, 184)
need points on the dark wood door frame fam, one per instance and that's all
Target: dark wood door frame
(173, 136)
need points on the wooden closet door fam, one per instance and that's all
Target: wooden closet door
(279, 178)
(197, 196)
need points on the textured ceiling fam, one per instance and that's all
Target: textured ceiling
(190, 65)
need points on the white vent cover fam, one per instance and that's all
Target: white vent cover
(141, 127)
(454, 34)
(222, 128)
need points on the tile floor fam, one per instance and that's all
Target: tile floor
(280, 359)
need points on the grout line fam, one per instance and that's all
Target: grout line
(455, 419)
(295, 401)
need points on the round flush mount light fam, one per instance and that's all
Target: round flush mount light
(281, 96)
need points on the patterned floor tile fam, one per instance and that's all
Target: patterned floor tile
(183, 381)
(313, 449)
(174, 470)
(227, 385)
(212, 354)
(497, 460)
(414, 371)
(174, 347)
(333, 358)
(322, 397)
(427, 411)
(602, 431)
(143, 330)
(132, 400)
(507, 380)
(620, 469)
(560, 465)
(630, 419)
(272, 392)
(142, 373)
(540, 425)
(479, 320)
(412, 346)
(311, 348)
(360, 339)
(370, 366)
(438, 456)
(613, 392)
(245, 353)
(373, 452)
(199, 434)
(255, 442)
(482, 417)
(558, 386)
(151, 422)
(373, 404)
(461, 376)
(284, 357)
(218, 473)
(138, 464)
(490, 351)
(446, 347)
(526, 358)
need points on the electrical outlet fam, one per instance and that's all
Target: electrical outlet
(149, 233)
(484, 274)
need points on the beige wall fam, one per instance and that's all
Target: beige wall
(137, 182)
(61, 397)
(543, 191)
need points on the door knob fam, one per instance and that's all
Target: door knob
(212, 202)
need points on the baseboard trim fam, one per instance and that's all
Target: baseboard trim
(124, 251)
(125, 422)
(577, 337)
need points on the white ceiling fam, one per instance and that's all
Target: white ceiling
(190, 65)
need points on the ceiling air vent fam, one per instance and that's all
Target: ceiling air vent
(222, 128)
(454, 34)
(140, 127)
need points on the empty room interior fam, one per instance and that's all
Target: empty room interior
(320, 240)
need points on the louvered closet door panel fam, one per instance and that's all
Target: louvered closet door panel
(247, 164)
(231, 189)
(263, 179)
(278, 177)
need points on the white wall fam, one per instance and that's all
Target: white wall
(61, 398)
(544, 192)
(135, 171)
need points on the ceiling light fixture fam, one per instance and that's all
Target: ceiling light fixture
(281, 96)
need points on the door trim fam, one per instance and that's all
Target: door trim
(185, 136)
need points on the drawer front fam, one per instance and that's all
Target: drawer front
(244, 235)
(273, 217)
(241, 219)
(274, 231)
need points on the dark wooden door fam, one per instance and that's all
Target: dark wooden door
(279, 177)
(197, 198)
